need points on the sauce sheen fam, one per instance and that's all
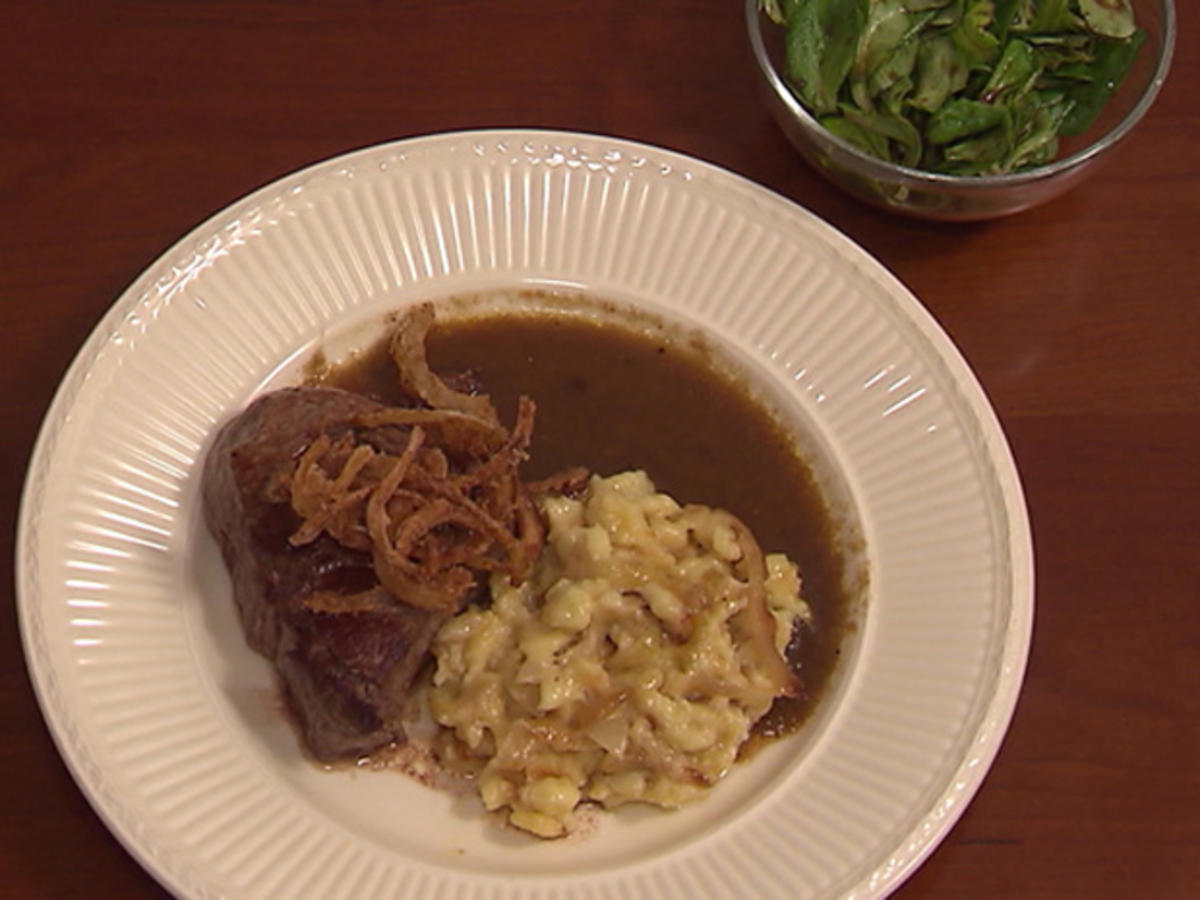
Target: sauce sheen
(613, 398)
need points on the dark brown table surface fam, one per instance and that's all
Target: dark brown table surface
(124, 124)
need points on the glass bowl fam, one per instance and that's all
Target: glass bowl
(930, 195)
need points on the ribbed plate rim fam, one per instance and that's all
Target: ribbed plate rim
(969, 776)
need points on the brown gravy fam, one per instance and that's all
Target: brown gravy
(613, 398)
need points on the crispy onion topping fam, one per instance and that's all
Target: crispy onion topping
(433, 493)
(408, 350)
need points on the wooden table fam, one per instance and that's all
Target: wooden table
(124, 124)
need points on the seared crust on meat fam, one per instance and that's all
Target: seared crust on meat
(345, 670)
(352, 530)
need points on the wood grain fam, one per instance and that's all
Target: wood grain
(124, 124)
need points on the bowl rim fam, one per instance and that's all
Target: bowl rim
(878, 168)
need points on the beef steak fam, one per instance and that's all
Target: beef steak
(347, 651)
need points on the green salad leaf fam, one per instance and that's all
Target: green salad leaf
(972, 35)
(957, 86)
(941, 72)
(822, 39)
(1104, 73)
(887, 26)
(1111, 18)
(1053, 17)
(961, 118)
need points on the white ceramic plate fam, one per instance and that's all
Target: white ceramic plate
(172, 727)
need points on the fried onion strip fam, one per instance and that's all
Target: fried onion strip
(568, 482)
(432, 493)
(328, 505)
(408, 350)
